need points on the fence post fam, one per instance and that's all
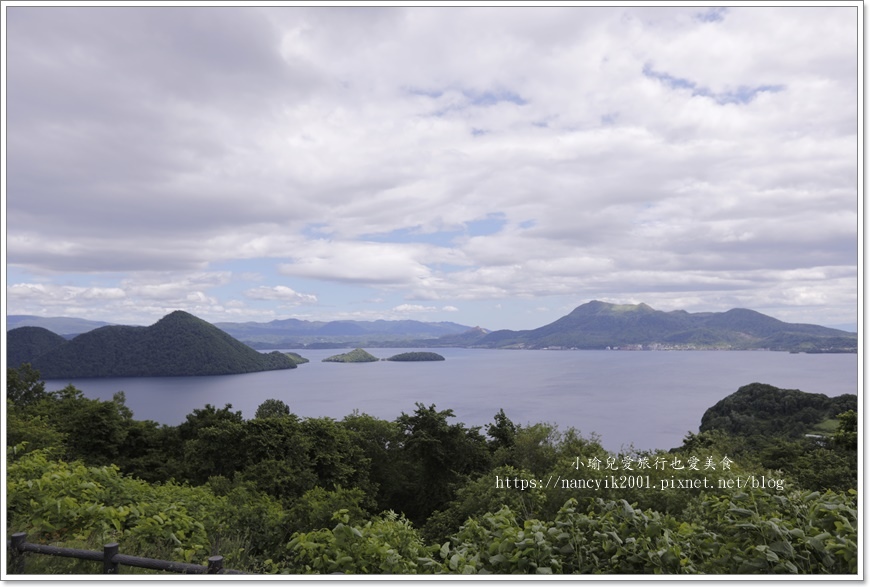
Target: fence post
(109, 551)
(17, 561)
(215, 564)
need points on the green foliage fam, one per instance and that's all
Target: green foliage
(778, 429)
(24, 386)
(57, 501)
(611, 537)
(417, 356)
(93, 430)
(387, 544)
(761, 532)
(503, 432)
(846, 435)
(354, 356)
(381, 443)
(760, 409)
(26, 432)
(272, 408)
(315, 509)
(439, 457)
(486, 494)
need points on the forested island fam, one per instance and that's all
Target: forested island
(416, 356)
(768, 484)
(354, 356)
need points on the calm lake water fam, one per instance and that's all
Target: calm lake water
(649, 399)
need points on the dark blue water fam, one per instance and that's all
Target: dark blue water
(649, 399)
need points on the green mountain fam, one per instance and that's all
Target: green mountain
(178, 344)
(761, 409)
(599, 325)
(28, 342)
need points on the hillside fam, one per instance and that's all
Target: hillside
(599, 325)
(28, 342)
(179, 344)
(761, 409)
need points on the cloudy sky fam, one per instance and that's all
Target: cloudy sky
(487, 166)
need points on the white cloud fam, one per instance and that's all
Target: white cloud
(413, 308)
(385, 264)
(280, 293)
(599, 135)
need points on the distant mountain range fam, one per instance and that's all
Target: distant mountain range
(178, 344)
(181, 344)
(294, 333)
(290, 333)
(66, 327)
(600, 325)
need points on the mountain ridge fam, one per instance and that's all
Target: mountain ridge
(600, 325)
(592, 325)
(179, 344)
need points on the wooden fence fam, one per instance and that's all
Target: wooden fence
(111, 559)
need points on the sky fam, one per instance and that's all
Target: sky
(491, 166)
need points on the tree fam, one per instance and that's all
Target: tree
(381, 445)
(208, 416)
(440, 457)
(846, 435)
(272, 408)
(503, 432)
(95, 430)
(24, 386)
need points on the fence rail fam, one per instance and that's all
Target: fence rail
(111, 558)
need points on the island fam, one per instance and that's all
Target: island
(416, 356)
(354, 356)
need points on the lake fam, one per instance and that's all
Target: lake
(648, 399)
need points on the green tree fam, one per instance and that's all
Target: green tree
(94, 429)
(503, 432)
(24, 386)
(439, 456)
(381, 444)
(846, 435)
(272, 408)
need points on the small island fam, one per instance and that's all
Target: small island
(354, 356)
(416, 356)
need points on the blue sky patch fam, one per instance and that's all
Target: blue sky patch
(492, 224)
(413, 235)
(427, 93)
(492, 98)
(316, 230)
(713, 15)
(742, 95)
